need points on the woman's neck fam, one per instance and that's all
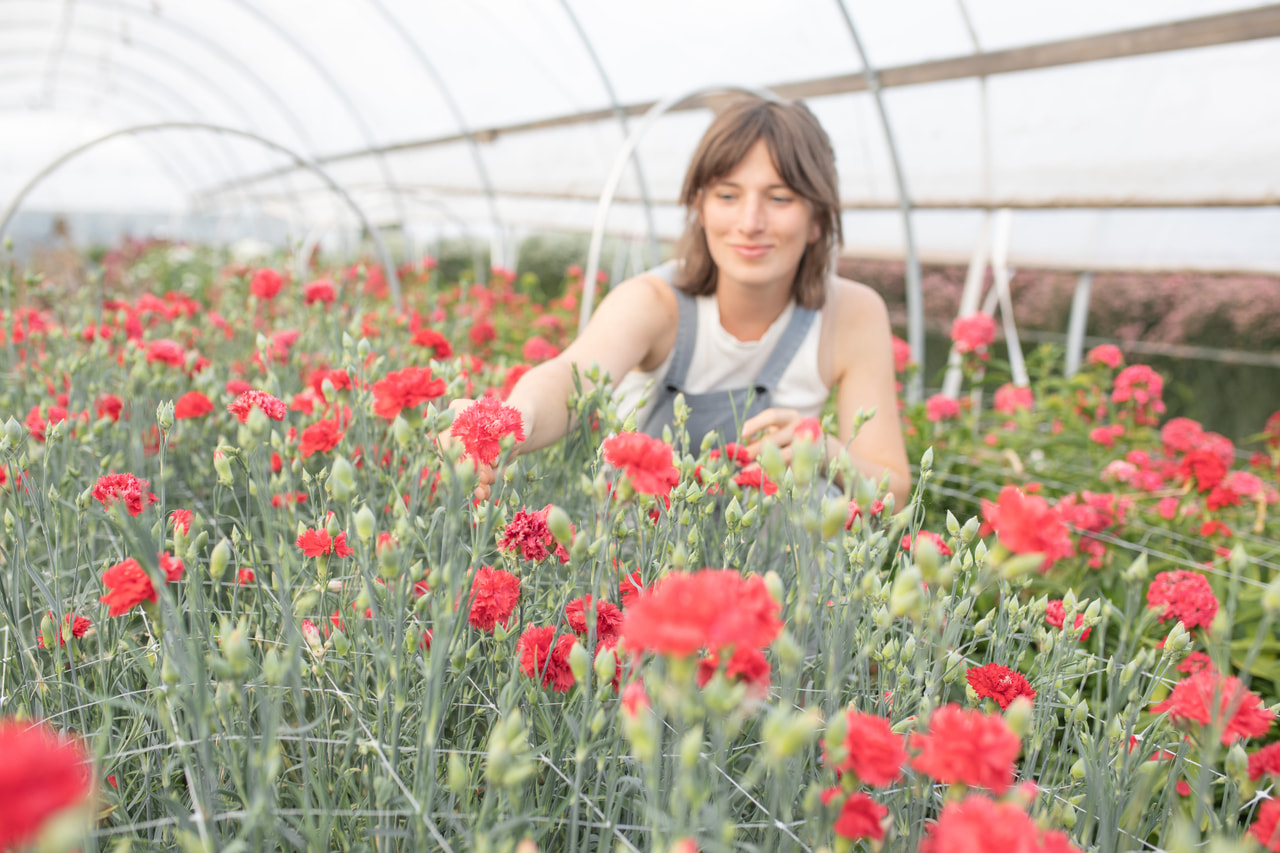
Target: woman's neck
(748, 312)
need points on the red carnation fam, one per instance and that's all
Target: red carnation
(685, 613)
(1026, 524)
(938, 542)
(129, 585)
(543, 655)
(192, 404)
(1264, 762)
(1056, 615)
(976, 824)
(967, 746)
(482, 426)
(528, 533)
(166, 351)
(181, 519)
(973, 333)
(171, 567)
(940, 407)
(126, 489)
(753, 477)
(998, 682)
(321, 290)
(273, 407)
(746, 665)
(647, 462)
(43, 773)
(608, 619)
(405, 389)
(434, 341)
(318, 543)
(79, 626)
(1202, 467)
(494, 596)
(1185, 597)
(1208, 696)
(266, 284)
(320, 437)
(873, 753)
(109, 407)
(860, 816)
(1266, 827)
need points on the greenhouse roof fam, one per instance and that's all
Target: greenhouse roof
(1137, 134)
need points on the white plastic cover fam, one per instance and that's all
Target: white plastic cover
(1167, 159)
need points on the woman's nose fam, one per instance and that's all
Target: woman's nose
(751, 215)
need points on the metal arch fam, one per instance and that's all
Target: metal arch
(641, 183)
(473, 144)
(227, 153)
(148, 49)
(320, 68)
(299, 159)
(615, 177)
(915, 295)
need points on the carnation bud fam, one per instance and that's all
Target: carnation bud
(257, 422)
(1271, 598)
(168, 672)
(13, 431)
(771, 461)
(691, 748)
(773, 583)
(341, 644)
(806, 457)
(733, 514)
(786, 732)
(219, 557)
(46, 632)
(365, 523)
(605, 665)
(363, 348)
(1077, 770)
(926, 460)
(904, 596)
(579, 661)
(1137, 571)
(953, 525)
(164, 415)
(1178, 639)
(834, 513)
(222, 467)
(400, 432)
(927, 557)
(1237, 763)
(970, 529)
(342, 480)
(1081, 712)
(274, 670)
(559, 525)
(1019, 716)
(457, 778)
(236, 648)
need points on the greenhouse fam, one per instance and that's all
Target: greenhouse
(565, 426)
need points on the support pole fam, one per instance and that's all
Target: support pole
(1077, 322)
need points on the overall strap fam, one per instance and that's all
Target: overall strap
(785, 349)
(686, 331)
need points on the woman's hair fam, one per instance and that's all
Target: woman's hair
(802, 155)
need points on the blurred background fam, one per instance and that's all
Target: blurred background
(1121, 158)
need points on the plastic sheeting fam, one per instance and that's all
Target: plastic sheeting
(1167, 159)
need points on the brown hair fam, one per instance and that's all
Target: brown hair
(802, 155)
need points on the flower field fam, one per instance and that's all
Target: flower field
(247, 600)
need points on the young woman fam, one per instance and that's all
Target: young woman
(749, 315)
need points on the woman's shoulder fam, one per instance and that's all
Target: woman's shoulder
(854, 304)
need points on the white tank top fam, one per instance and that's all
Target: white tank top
(721, 362)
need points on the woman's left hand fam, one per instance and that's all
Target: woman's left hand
(772, 426)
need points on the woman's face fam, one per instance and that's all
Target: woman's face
(757, 227)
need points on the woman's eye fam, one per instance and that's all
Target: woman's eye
(725, 196)
(783, 199)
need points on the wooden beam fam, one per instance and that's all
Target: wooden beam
(1225, 28)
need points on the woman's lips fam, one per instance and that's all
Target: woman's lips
(751, 251)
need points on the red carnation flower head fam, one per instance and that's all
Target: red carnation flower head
(973, 333)
(528, 533)
(746, 665)
(538, 349)
(646, 462)
(321, 437)
(266, 284)
(753, 477)
(1011, 399)
(1265, 762)
(124, 489)
(1139, 388)
(999, 682)
(901, 355)
(405, 389)
(545, 656)
(608, 619)
(192, 404)
(166, 351)
(434, 341)
(1026, 524)
(1211, 698)
(1184, 597)
(969, 747)
(940, 407)
(129, 585)
(109, 407)
(273, 407)
(1107, 355)
(711, 609)
(321, 290)
(868, 749)
(170, 566)
(494, 596)
(860, 816)
(318, 543)
(1202, 468)
(1055, 613)
(977, 824)
(938, 542)
(482, 425)
(78, 625)
(42, 774)
(1265, 828)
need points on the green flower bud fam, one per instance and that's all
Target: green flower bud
(1271, 598)
(400, 432)
(579, 661)
(1137, 570)
(733, 514)
(458, 779)
(168, 672)
(164, 415)
(219, 557)
(1019, 716)
(771, 461)
(904, 596)
(835, 511)
(691, 748)
(559, 525)
(222, 467)
(341, 484)
(1237, 764)
(365, 524)
(605, 665)
(341, 644)
(1077, 770)
(47, 635)
(13, 431)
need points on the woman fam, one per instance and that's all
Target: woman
(750, 315)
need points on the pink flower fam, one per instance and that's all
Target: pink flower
(973, 333)
(940, 407)
(1108, 355)
(1210, 698)
(647, 462)
(968, 747)
(321, 290)
(1011, 398)
(482, 426)
(273, 407)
